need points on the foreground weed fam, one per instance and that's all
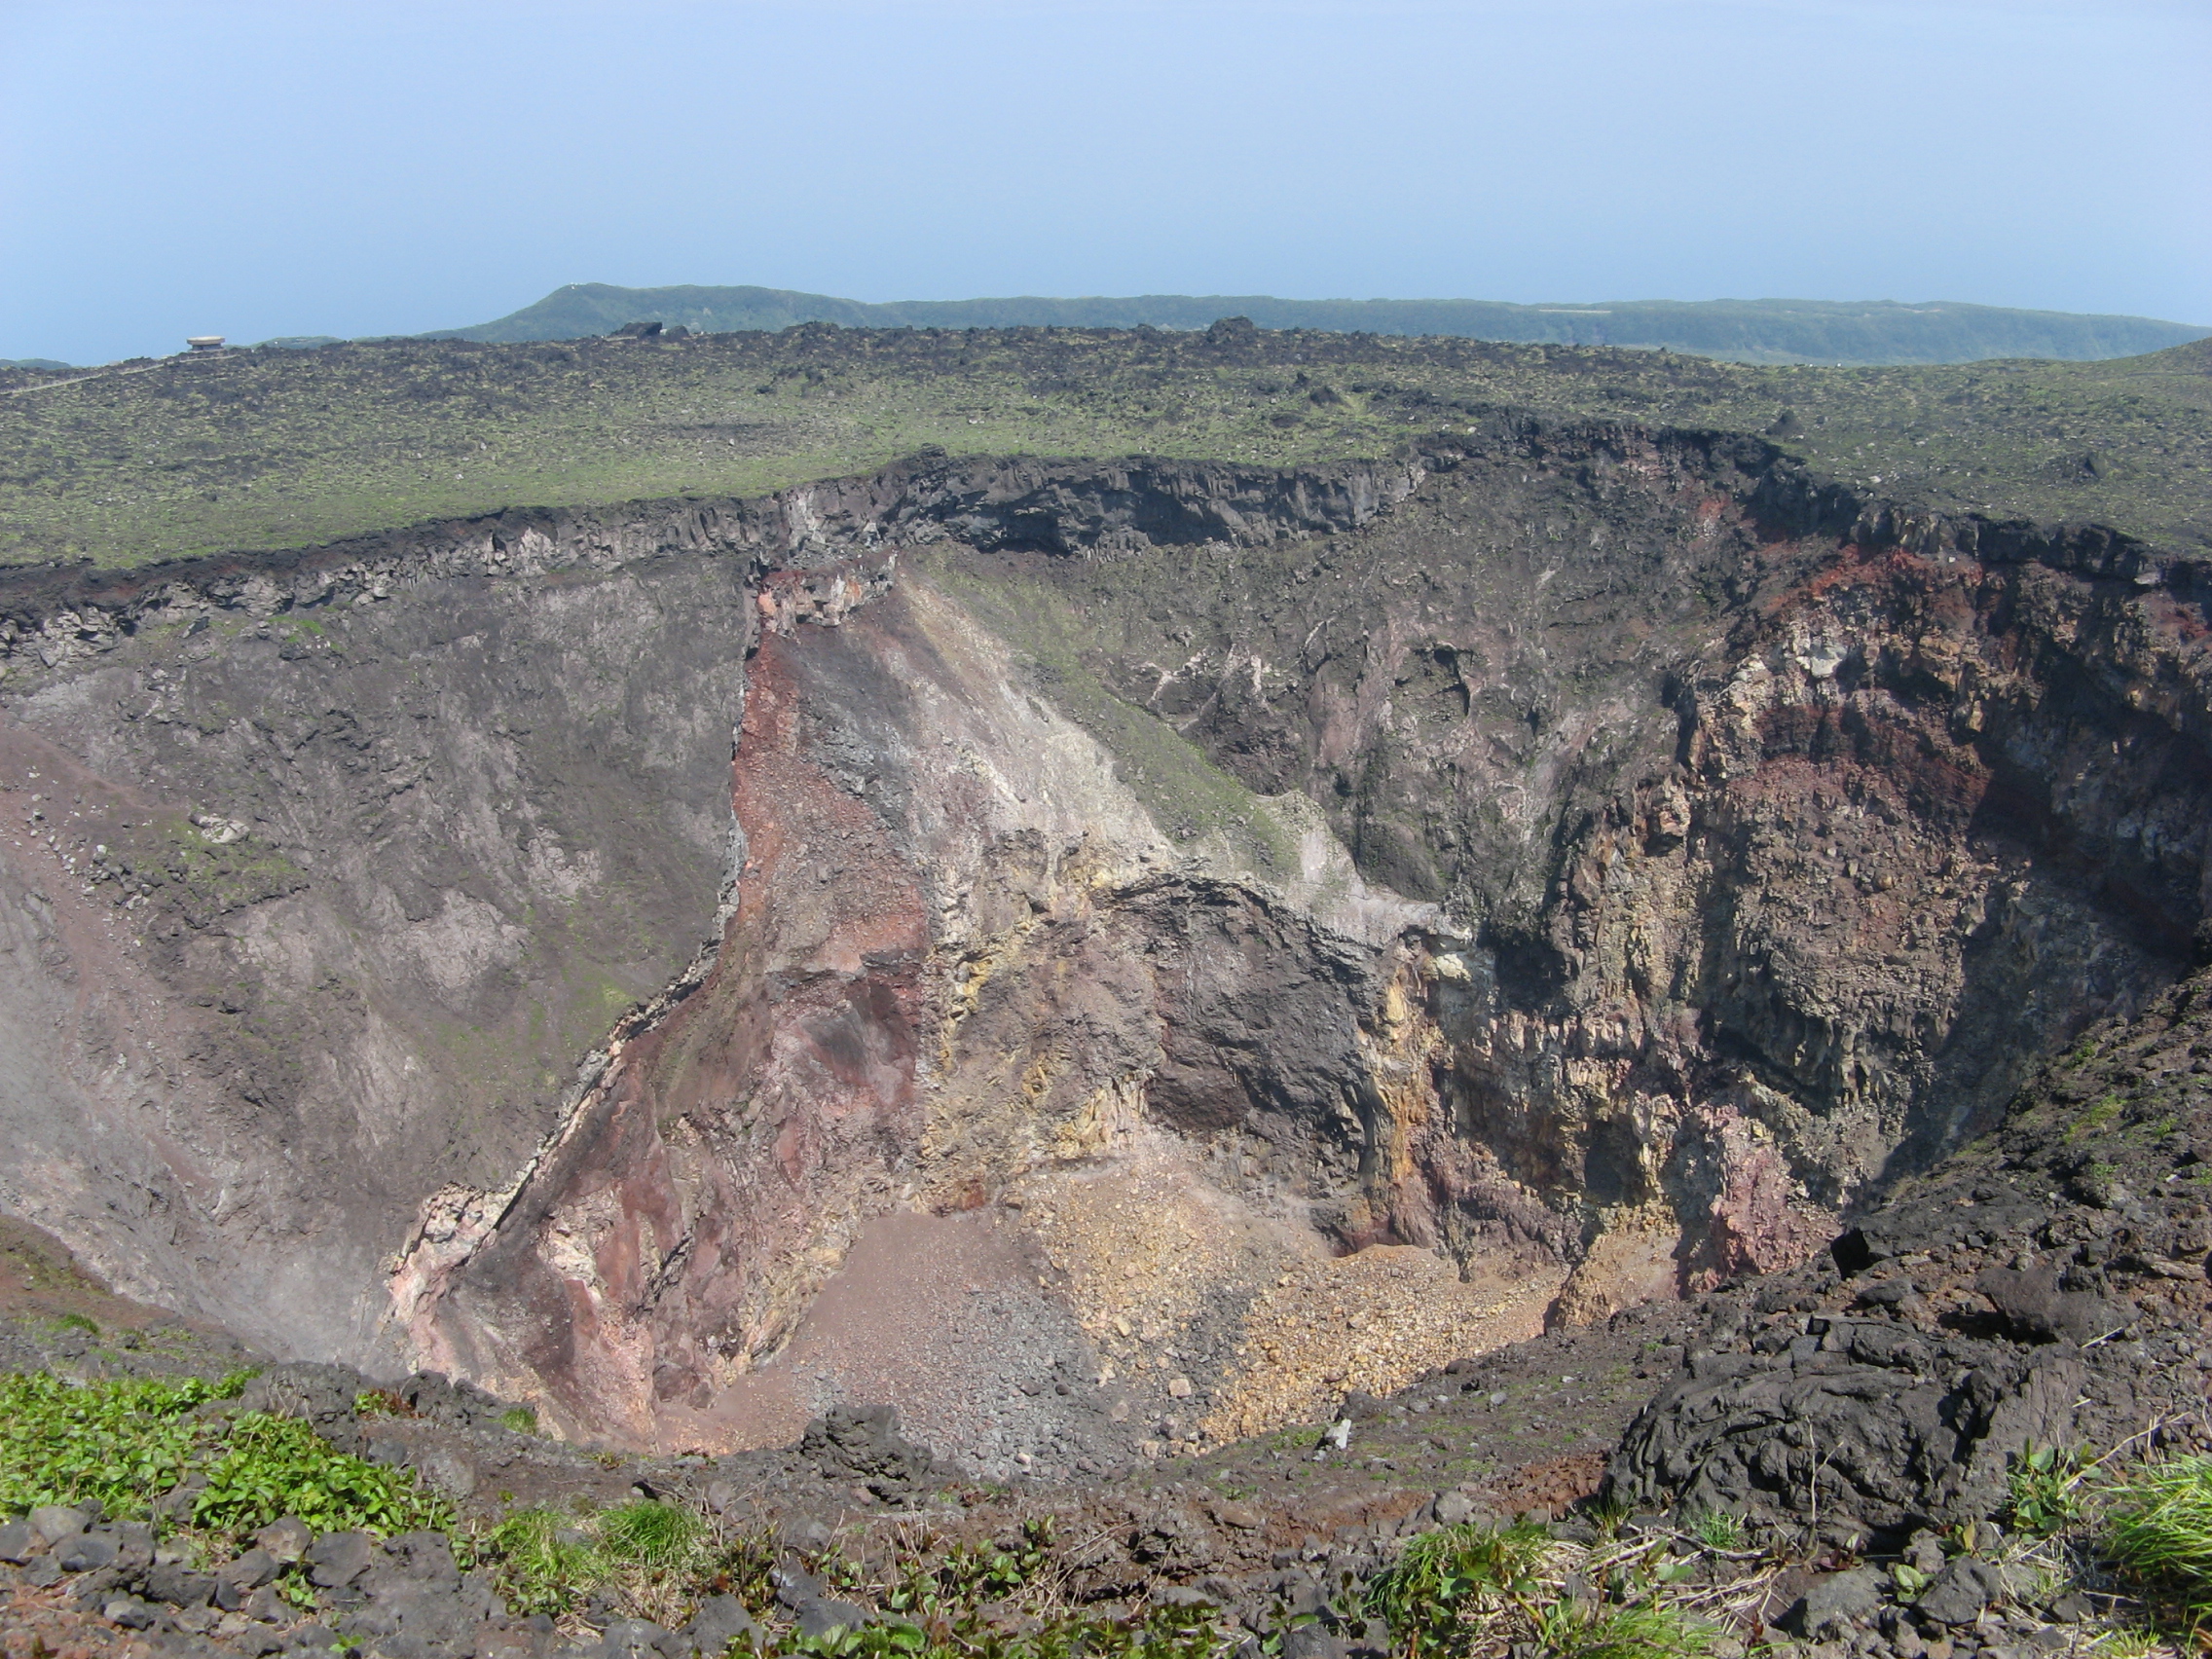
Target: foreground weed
(2046, 1490)
(743, 1567)
(1448, 1578)
(966, 1576)
(2130, 1643)
(1167, 1633)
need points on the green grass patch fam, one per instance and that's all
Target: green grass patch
(1718, 1529)
(650, 1559)
(541, 1561)
(1586, 1630)
(647, 1534)
(2095, 1118)
(2160, 1530)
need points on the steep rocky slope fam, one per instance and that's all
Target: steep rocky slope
(2046, 1286)
(1831, 1454)
(1246, 933)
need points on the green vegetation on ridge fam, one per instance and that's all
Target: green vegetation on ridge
(270, 449)
(1752, 331)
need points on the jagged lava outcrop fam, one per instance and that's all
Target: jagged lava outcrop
(1272, 931)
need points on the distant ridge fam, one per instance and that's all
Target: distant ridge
(1754, 331)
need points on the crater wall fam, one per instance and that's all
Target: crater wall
(1576, 864)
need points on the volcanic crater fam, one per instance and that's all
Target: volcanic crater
(1108, 958)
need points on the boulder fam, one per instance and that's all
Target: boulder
(131, 1613)
(338, 1559)
(321, 1395)
(87, 1552)
(178, 1585)
(823, 1614)
(1833, 1602)
(134, 1546)
(863, 1442)
(1960, 1591)
(2036, 1310)
(431, 1395)
(54, 1522)
(286, 1539)
(719, 1621)
(250, 1571)
(1899, 1431)
(268, 1607)
(631, 1638)
(447, 1472)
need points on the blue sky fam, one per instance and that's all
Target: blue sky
(337, 167)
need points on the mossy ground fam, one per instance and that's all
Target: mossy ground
(256, 450)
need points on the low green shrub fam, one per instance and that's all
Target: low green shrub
(128, 1442)
(123, 1442)
(1167, 1633)
(274, 1466)
(966, 1576)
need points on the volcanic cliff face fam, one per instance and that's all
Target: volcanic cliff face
(1253, 934)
